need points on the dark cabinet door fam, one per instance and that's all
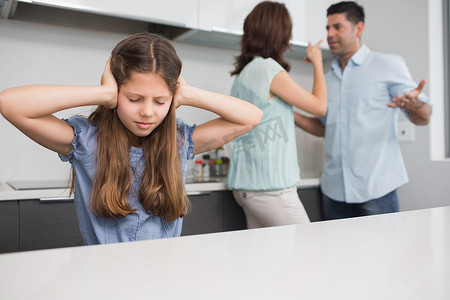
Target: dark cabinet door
(312, 201)
(233, 214)
(9, 212)
(206, 215)
(218, 211)
(45, 225)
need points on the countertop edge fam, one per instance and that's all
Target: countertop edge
(7, 193)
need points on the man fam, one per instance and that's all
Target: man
(366, 90)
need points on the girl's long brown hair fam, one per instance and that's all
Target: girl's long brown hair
(161, 192)
(267, 32)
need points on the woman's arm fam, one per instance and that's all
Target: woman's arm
(236, 116)
(31, 109)
(289, 91)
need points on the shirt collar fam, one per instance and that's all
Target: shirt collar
(357, 59)
(360, 56)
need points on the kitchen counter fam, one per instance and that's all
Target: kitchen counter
(8, 193)
(398, 256)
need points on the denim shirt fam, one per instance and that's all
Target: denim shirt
(135, 226)
(363, 160)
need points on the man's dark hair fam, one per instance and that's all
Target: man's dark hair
(353, 11)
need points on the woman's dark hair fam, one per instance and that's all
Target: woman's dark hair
(267, 32)
(353, 11)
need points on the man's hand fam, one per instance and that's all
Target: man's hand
(418, 112)
(409, 100)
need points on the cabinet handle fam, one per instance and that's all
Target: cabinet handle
(56, 199)
(227, 31)
(198, 193)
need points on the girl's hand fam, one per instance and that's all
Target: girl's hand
(109, 83)
(179, 98)
(314, 53)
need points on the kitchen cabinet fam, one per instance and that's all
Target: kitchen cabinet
(221, 25)
(46, 224)
(315, 20)
(213, 212)
(34, 224)
(218, 211)
(9, 214)
(224, 15)
(229, 16)
(297, 10)
(311, 199)
(233, 214)
(181, 13)
(206, 214)
(200, 22)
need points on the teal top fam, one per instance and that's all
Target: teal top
(265, 158)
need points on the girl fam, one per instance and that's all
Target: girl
(264, 170)
(129, 156)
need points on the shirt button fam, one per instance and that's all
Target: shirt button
(244, 195)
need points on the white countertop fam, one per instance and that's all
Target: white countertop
(8, 193)
(394, 256)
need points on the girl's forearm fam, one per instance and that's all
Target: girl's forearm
(36, 101)
(231, 109)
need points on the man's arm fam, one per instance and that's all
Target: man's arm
(419, 112)
(310, 125)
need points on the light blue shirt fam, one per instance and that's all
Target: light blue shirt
(265, 158)
(133, 227)
(363, 160)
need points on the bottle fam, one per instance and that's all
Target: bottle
(206, 166)
(198, 169)
(212, 169)
(226, 165)
(218, 171)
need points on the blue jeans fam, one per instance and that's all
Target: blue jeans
(333, 209)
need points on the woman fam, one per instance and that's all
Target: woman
(264, 171)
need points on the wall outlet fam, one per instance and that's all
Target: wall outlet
(405, 131)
